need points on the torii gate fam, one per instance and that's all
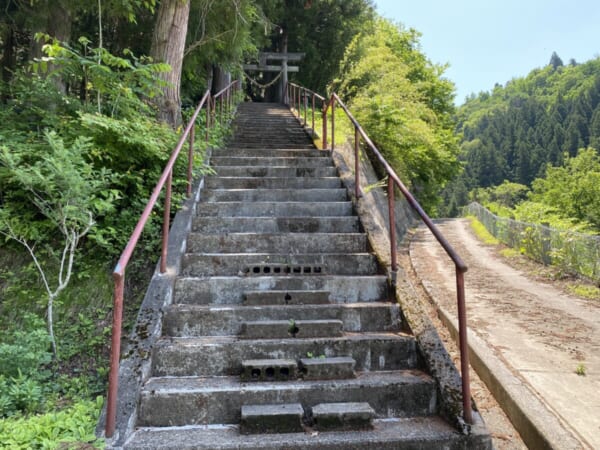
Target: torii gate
(264, 66)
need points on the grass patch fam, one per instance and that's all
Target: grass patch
(481, 232)
(580, 370)
(509, 253)
(588, 291)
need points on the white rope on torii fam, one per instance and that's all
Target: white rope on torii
(263, 87)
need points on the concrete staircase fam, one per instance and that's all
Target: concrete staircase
(282, 333)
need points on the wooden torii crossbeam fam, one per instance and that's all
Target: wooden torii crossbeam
(264, 66)
(264, 57)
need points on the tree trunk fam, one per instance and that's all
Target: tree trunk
(9, 59)
(168, 45)
(220, 79)
(58, 25)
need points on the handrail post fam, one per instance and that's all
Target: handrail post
(115, 356)
(298, 100)
(332, 123)
(207, 120)
(305, 104)
(221, 110)
(357, 190)
(324, 141)
(166, 224)
(392, 219)
(190, 161)
(313, 113)
(464, 347)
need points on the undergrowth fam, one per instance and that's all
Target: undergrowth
(481, 232)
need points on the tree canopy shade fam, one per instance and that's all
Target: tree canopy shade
(404, 104)
(321, 29)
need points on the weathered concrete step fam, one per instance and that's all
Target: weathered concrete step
(275, 209)
(230, 290)
(270, 161)
(298, 297)
(222, 182)
(320, 367)
(276, 224)
(189, 400)
(292, 243)
(269, 370)
(272, 152)
(342, 416)
(273, 171)
(282, 264)
(282, 329)
(200, 320)
(274, 195)
(415, 433)
(296, 144)
(278, 418)
(218, 356)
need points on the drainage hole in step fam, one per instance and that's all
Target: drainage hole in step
(308, 270)
(255, 373)
(270, 372)
(256, 269)
(267, 270)
(284, 372)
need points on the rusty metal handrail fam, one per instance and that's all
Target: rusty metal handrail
(119, 271)
(394, 179)
(298, 93)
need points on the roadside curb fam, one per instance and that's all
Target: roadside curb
(538, 426)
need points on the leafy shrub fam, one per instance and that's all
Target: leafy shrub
(49, 431)
(25, 351)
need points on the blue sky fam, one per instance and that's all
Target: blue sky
(493, 41)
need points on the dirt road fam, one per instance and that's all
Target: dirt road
(542, 334)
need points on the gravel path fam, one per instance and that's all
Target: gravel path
(538, 331)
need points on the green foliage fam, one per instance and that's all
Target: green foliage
(404, 105)
(573, 188)
(514, 131)
(120, 82)
(71, 427)
(25, 350)
(580, 369)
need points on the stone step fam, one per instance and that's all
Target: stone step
(276, 224)
(387, 434)
(269, 370)
(320, 367)
(222, 182)
(282, 264)
(292, 243)
(275, 209)
(260, 298)
(218, 356)
(299, 329)
(272, 152)
(256, 161)
(342, 416)
(273, 171)
(190, 400)
(278, 418)
(230, 290)
(199, 320)
(274, 195)
(283, 144)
